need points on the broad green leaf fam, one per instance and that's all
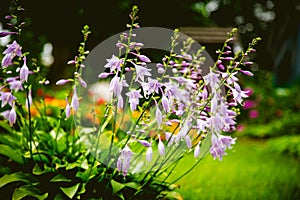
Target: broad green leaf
(38, 171)
(70, 191)
(173, 195)
(60, 178)
(133, 185)
(116, 186)
(14, 177)
(72, 165)
(58, 197)
(13, 154)
(28, 190)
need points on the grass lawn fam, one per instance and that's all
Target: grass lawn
(250, 171)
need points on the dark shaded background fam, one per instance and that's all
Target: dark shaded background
(60, 22)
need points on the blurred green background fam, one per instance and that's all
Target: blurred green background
(265, 164)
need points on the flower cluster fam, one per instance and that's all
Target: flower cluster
(200, 105)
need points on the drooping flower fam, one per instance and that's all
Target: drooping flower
(238, 93)
(24, 71)
(197, 150)
(149, 153)
(141, 72)
(217, 150)
(165, 103)
(188, 141)
(10, 115)
(123, 162)
(68, 109)
(120, 102)
(212, 79)
(7, 98)
(114, 63)
(14, 84)
(12, 51)
(134, 96)
(158, 115)
(117, 84)
(75, 101)
(161, 146)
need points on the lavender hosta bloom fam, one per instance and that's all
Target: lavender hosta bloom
(134, 96)
(14, 84)
(82, 82)
(62, 81)
(165, 104)
(238, 93)
(117, 84)
(24, 71)
(10, 115)
(149, 153)
(114, 63)
(217, 149)
(141, 72)
(145, 143)
(158, 115)
(188, 141)
(104, 75)
(120, 104)
(7, 98)
(12, 50)
(142, 58)
(6, 33)
(247, 72)
(197, 150)
(161, 146)
(212, 79)
(123, 162)
(68, 109)
(230, 78)
(75, 101)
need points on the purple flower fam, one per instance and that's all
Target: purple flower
(12, 50)
(152, 86)
(14, 84)
(145, 143)
(68, 109)
(62, 81)
(116, 85)
(197, 150)
(188, 141)
(217, 150)
(161, 146)
(246, 72)
(7, 98)
(158, 115)
(104, 75)
(249, 104)
(149, 153)
(6, 33)
(114, 63)
(75, 101)
(143, 58)
(165, 103)
(123, 162)
(82, 82)
(10, 115)
(24, 71)
(212, 79)
(141, 72)
(238, 93)
(134, 96)
(120, 102)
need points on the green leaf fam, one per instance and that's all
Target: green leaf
(13, 154)
(133, 185)
(116, 186)
(172, 195)
(17, 176)
(28, 190)
(70, 191)
(72, 165)
(60, 178)
(38, 171)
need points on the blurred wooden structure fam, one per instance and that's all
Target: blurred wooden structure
(207, 35)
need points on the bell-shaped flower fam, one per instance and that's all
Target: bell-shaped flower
(141, 72)
(114, 63)
(24, 71)
(62, 81)
(134, 96)
(123, 162)
(75, 101)
(161, 146)
(7, 98)
(149, 153)
(197, 150)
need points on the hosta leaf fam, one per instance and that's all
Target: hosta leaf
(70, 191)
(17, 176)
(133, 185)
(116, 186)
(38, 171)
(27, 190)
(13, 154)
(60, 178)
